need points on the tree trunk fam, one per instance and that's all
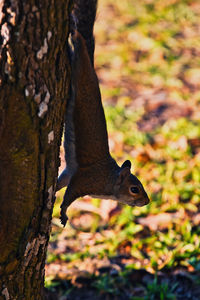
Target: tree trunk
(34, 85)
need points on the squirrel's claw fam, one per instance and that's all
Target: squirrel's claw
(63, 218)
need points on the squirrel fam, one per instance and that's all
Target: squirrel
(90, 168)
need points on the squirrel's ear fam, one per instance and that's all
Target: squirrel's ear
(123, 174)
(126, 164)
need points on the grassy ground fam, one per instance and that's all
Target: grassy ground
(148, 64)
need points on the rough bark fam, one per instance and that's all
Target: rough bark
(34, 84)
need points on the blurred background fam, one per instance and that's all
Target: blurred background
(147, 59)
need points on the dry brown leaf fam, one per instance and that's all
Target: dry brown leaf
(160, 221)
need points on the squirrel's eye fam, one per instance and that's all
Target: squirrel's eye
(134, 190)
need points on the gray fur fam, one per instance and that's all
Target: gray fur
(69, 141)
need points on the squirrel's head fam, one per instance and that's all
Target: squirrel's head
(128, 189)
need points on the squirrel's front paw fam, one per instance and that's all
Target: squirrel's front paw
(63, 218)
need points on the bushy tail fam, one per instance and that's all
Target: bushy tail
(82, 20)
